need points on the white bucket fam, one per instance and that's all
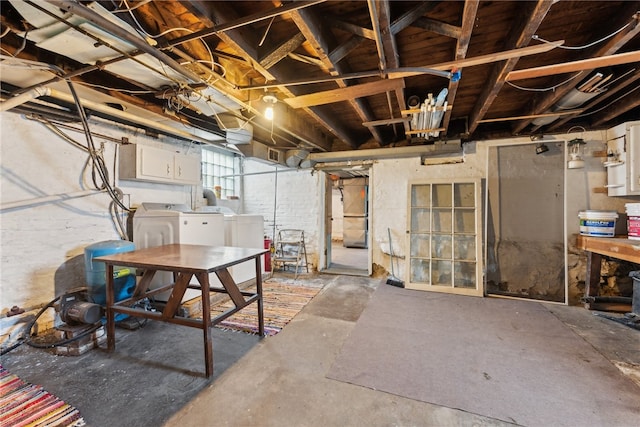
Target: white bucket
(598, 223)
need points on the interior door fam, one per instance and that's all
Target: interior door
(525, 226)
(444, 224)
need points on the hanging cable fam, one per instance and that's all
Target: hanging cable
(99, 167)
(536, 37)
(554, 87)
(609, 104)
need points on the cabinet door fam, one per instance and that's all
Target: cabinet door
(186, 169)
(155, 163)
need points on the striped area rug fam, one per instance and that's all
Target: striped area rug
(23, 404)
(281, 304)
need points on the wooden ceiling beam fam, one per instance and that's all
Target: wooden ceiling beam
(437, 27)
(570, 67)
(630, 101)
(341, 52)
(240, 22)
(408, 18)
(321, 40)
(374, 14)
(278, 53)
(468, 22)
(365, 33)
(243, 43)
(390, 47)
(609, 47)
(521, 34)
(345, 93)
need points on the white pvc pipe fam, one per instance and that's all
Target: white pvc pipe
(47, 91)
(34, 93)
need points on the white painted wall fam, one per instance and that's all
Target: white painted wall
(42, 238)
(295, 196)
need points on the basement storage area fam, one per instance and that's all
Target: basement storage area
(319, 213)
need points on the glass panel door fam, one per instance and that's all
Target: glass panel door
(444, 237)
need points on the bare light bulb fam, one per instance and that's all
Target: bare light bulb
(268, 113)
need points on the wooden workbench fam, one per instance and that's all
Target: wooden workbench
(185, 261)
(596, 248)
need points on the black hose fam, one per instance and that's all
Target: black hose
(28, 337)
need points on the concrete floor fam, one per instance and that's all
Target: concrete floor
(155, 376)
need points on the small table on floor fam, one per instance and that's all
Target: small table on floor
(596, 248)
(185, 261)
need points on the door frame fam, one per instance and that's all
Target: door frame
(479, 290)
(498, 144)
(324, 242)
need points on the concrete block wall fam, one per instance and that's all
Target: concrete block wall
(49, 213)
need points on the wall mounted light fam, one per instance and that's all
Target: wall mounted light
(270, 99)
(576, 148)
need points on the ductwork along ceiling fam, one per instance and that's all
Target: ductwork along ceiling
(340, 75)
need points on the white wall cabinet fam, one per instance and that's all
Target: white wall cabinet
(146, 163)
(623, 163)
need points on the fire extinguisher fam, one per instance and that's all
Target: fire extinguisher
(268, 244)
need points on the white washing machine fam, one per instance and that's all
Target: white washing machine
(244, 231)
(156, 224)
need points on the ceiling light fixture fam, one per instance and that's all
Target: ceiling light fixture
(270, 99)
(541, 148)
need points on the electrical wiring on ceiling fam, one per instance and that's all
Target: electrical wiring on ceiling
(610, 103)
(165, 32)
(546, 89)
(536, 37)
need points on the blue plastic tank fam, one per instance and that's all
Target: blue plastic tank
(95, 271)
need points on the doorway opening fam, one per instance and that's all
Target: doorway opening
(347, 221)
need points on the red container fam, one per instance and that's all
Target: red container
(633, 227)
(267, 256)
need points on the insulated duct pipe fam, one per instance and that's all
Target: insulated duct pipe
(96, 106)
(34, 93)
(104, 24)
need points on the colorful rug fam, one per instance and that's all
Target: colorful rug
(23, 404)
(281, 304)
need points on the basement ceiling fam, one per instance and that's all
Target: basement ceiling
(340, 75)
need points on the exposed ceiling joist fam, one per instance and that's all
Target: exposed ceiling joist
(630, 29)
(462, 45)
(521, 34)
(344, 94)
(570, 67)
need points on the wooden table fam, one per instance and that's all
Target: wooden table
(596, 248)
(185, 261)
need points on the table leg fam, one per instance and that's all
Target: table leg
(260, 302)
(592, 281)
(203, 278)
(111, 323)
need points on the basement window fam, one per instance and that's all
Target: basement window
(218, 169)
